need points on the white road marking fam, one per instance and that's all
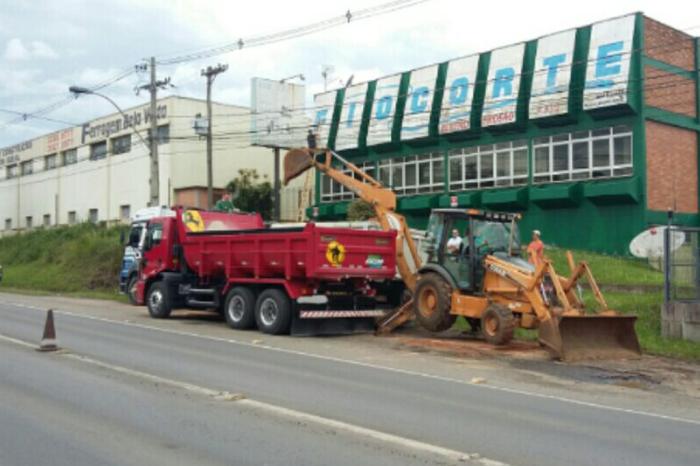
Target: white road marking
(401, 442)
(488, 386)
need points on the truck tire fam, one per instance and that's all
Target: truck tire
(432, 301)
(159, 301)
(239, 308)
(131, 289)
(497, 324)
(273, 312)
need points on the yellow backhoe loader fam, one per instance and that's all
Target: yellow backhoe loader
(482, 276)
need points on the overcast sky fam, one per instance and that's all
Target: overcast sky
(46, 46)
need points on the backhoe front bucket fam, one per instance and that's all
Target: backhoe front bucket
(591, 337)
(296, 162)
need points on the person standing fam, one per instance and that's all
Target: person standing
(535, 250)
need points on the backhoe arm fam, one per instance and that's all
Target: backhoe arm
(369, 190)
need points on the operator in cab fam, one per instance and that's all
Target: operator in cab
(535, 250)
(454, 244)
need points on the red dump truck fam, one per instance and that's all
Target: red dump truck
(307, 280)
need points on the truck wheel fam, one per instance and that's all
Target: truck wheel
(432, 303)
(239, 308)
(158, 301)
(497, 324)
(273, 312)
(131, 290)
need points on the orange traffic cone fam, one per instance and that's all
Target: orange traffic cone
(48, 341)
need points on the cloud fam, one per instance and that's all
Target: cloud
(16, 50)
(43, 50)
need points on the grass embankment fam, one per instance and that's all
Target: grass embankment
(84, 261)
(81, 260)
(629, 286)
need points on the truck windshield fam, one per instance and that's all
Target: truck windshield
(135, 235)
(496, 236)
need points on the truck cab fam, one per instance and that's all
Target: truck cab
(133, 248)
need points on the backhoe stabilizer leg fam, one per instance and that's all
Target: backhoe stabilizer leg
(395, 319)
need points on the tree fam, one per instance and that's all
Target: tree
(359, 210)
(251, 192)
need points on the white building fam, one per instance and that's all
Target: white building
(100, 171)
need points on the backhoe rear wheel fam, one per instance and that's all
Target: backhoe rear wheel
(432, 303)
(497, 324)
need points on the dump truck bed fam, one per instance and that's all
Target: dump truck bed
(308, 253)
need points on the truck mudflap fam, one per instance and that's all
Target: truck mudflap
(337, 326)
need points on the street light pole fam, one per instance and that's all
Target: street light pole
(77, 90)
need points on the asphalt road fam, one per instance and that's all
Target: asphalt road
(57, 407)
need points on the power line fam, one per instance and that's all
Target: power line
(36, 114)
(257, 41)
(24, 116)
(248, 43)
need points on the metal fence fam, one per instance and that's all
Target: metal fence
(682, 270)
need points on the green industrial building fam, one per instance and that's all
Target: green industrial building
(591, 133)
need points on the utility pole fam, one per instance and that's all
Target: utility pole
(276, 205)
(210, 73)
(152, 87)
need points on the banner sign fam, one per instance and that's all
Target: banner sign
(608, 67)
(552, 74)
(323, 116)
(419, 101)
(383, 110)
(278, 118)
(351, 117)
(503, 86)
(456, 110)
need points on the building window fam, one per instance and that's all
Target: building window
(414, 174)
(8, 224)
(27, 168)
(72, 217)
(28, 221)
(600, 153)
(50, 162)
(47, 220)
(98, 150)
(162, 134)
(121, 145)
(332, 191)
(125, 212)
(70, 157)
(11, 171)
(92, 215)
(486, 166)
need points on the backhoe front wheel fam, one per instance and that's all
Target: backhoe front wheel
(432, 303)
(497, 324)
